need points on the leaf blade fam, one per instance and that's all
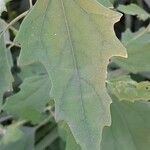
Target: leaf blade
(70, 45)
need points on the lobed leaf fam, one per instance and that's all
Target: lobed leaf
(74, 39)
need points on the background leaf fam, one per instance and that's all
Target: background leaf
(124, 88)
(31, 101)
(130, 127)
(67, 136)
(17, 138)
(137, 45)
(134, 10)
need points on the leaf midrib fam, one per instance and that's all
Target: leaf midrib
(72, 50)
(75, 63)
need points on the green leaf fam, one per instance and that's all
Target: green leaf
(129, 36)
(71, 143)
(17, 138)
(34, 69)
(130, 127)
(124, 88)
(67, 136)
(137, 45)
(74, 39)
(134, 10)
(105, 3)
(5, 76)
(31, 101)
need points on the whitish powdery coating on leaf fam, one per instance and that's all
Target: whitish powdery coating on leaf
(74, 39)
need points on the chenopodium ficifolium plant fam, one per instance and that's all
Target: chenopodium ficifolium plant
(74, 40)
(66, 46)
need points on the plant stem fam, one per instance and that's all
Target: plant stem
(13, 22)
(5, 118)
(12, 44)
(30, 3)
(47, 140)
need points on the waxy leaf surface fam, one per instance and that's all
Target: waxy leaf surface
(74, 39)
